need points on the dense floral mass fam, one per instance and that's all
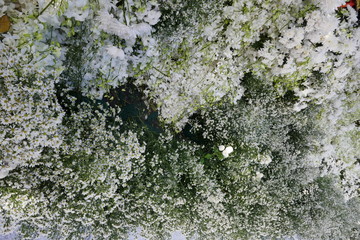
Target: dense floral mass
(224, 119)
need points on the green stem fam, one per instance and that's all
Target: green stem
(44, 9)
(161, 72)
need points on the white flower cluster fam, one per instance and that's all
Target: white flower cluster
(4, 8)
(281, 42)
(113, 42)
(193, 70)
(88, 132)
(55, 159)
(30, 115)
(338, 151)
(278, 79)
(278, 150)
(77, 181)
(225, 151)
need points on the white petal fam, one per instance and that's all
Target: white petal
(229, 149)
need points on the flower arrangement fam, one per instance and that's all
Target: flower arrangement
(226, 119)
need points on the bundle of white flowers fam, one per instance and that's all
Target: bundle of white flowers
(226, 150)
(83, 154)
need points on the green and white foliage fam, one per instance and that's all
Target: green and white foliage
(205, 56)
(193, 70)
(276, 146)
(338, 150)
(110, 45)
(257, 136)
(103, 42)
(30, 115)
(81, 188)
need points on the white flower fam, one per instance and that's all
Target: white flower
(259, 175)
(152, 17)
(227, 151)
(221, 148)
(4, 172)
(116, 52)
(328, 6)
(76, 10)
(266, 160)
(214, 199)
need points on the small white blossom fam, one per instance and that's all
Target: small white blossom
(116, 52)
(227, 151)
(265, 160)
(259, 175)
